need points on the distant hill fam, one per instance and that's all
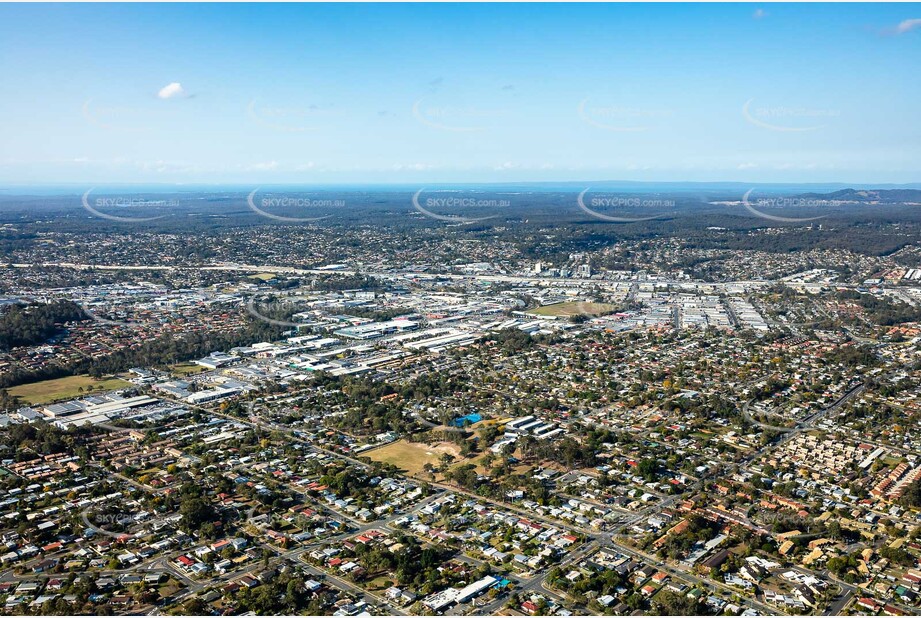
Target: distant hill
(869, 196)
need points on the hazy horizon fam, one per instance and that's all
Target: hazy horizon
(73, 188)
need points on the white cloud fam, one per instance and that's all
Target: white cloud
(799, 166)
(171, 90)
(413, 167)
(747, 166)
(265, 166)
(165, 167)
(908, 25)
(759, 14)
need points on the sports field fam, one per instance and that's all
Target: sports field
(59, 389)
(412, 456)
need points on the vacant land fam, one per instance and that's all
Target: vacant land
(186, 369)
(575, 308)
(380, 583)
(412, 456)
(64, 388)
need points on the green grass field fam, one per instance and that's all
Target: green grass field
(48, 391)
(186, 369)
(574, 308)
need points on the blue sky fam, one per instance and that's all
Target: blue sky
(459, 93)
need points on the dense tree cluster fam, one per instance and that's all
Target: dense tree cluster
(41, 438)
(36, 323)
(883, 311)
(912, 495)
(338, 283)
(161, 351)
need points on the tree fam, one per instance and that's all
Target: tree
(912, 495)
(446, 460)
(647, 469)
(669, 603)
(195, 511)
